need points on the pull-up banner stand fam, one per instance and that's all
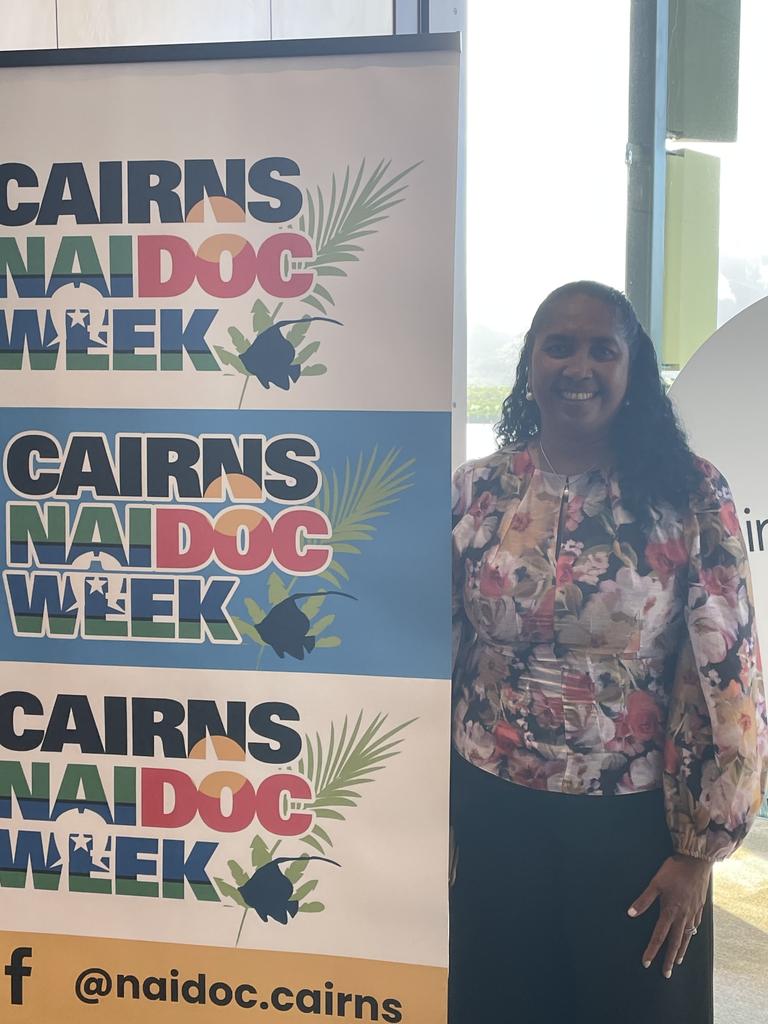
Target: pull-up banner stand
(225, 322)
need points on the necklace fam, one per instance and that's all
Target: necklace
(552, 468)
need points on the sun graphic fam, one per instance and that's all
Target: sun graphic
(241, 488)
(223, 209)
(224, 749)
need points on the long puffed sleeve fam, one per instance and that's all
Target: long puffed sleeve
(716, 752)
(461, 498)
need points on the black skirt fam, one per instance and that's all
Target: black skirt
(539, 926)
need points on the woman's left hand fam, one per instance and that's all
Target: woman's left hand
(681, 885)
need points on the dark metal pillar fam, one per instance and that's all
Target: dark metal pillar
(646, 161)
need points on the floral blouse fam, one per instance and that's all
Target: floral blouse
(591, 658)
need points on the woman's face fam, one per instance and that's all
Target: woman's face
(579, 368)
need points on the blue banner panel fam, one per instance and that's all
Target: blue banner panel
(227, 539)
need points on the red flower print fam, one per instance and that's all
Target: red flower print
(667, 558)
(520, 521)
(644, 716)
(565, 568)
(729, 519)
(624, 741)
(493, 580)
(578, 686)
(722, 581)
(508, 738)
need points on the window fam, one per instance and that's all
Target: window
(547, 100)
(727, 190)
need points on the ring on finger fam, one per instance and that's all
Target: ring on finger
(691, 931)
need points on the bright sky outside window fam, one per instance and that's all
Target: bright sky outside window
(547, 129)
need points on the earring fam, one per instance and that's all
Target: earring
(528, 395)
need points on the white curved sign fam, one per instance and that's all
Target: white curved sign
(720, 396)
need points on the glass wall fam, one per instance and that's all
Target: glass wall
(740, 238)
(547, 99)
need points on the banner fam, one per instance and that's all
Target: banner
(731, 362)
(225, 322)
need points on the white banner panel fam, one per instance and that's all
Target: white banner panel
(734, 361)
(225, 319)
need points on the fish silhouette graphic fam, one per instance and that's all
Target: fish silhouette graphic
(286, 627)
(270, 893)
(270, 356)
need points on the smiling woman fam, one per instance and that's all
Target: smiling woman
(579, 369)
(605, 647)
(632, 427)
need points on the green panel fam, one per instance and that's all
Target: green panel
(703, 71)
(691, 254)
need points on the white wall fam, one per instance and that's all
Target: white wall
(40, 24)
(27, 24)
(136, 22)
(306, 19)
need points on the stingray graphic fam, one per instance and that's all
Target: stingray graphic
(270, 357)
(269, 892)
(286, 627)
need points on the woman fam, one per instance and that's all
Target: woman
(609, 721)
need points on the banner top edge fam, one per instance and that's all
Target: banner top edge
(337, 46)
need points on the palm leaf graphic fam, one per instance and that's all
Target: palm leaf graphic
(341, 765)
(350, 213)
(362, 494)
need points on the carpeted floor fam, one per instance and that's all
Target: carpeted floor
(741, 932)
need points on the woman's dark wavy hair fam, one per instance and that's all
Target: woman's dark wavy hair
(653, 461)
